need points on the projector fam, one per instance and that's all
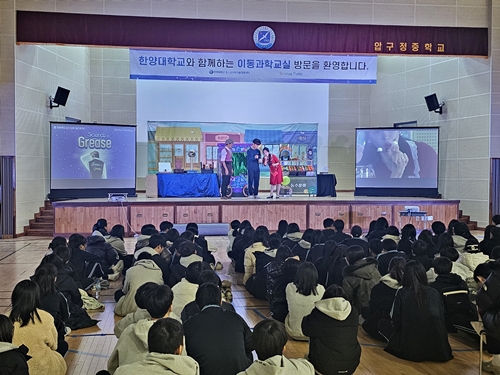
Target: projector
(117, 197)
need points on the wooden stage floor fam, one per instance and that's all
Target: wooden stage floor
(91, 347)
(76, 216)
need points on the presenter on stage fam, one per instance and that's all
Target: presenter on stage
(253, 159)
(276, 172)
(389, 155)
(226, 166)
(95, 166)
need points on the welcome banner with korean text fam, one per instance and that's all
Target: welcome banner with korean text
(251, 67)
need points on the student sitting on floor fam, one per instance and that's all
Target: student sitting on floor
(304, 245)
(317, 246)
(243, 241)
(232, 234)
(140, 313)
(269, 339)
(417, 329)
(256, 284)
(331, 264)
(51, 300)
(389, 251)
(110, 262)
(458, 268)
(185, 290)
(458, 309)
(203, 244)
(260, 244)
(419, 250)
(13, 359)
(192, 308)
(78, 318)
(186, 254)
(292, 235)
(219, 340)
(360, 276)
(382, 297)
(472, 257)
(132, 346)
(144, 270)
(35, 328)
(85, 266)
(165, 343)
(280, 273)
(332, 328)
(147, 231)
(301, 296)
(488, 298)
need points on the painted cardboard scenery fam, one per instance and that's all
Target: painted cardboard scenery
(195, 147)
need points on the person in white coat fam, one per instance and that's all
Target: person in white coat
(301, 295)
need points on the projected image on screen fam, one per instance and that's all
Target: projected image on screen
(397, 158)
(87, 156)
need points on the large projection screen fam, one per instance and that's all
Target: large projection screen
(92, 160)
(397, 162)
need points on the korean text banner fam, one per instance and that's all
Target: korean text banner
(251, 67)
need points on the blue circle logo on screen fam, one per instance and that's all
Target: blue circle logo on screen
(264, 37)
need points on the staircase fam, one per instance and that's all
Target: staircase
(466, 219)
(43, 223)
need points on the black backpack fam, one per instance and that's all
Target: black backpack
(458, 309)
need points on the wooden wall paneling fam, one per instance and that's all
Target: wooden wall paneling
(68, 220)
(202, 214)
(319, 212)
(441, 212)
(362, 214)
(141, 215)
(266, 214)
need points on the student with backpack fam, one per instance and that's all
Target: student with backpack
(458, 310)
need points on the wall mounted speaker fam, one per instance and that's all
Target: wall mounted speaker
(433, 104)
(61, 96)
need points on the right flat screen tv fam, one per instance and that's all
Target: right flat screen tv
(397, 162)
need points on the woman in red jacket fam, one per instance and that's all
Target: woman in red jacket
(276, 172)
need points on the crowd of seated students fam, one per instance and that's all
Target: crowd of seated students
(405, 289)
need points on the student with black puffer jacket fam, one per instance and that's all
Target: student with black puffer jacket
(66, 285)
(13, 358)
(86, 266)
(280, 273)
(332, 328)
(257, 283)
(97, 245)
(360, 276)
(331, 264)
(382, 297)
(488, 300)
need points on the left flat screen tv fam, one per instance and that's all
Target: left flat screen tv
(92, 160)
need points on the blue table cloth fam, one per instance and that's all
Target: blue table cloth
(188, 185)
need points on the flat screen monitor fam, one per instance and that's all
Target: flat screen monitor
(397, 162)
(92, 160)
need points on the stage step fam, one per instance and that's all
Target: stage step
(472, 225)
(43, 222)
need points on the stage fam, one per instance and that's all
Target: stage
(78, 216)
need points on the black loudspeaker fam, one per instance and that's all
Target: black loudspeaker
(61, 96)
(432, 102)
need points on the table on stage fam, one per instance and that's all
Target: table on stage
(326, 185)
(188, 185)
